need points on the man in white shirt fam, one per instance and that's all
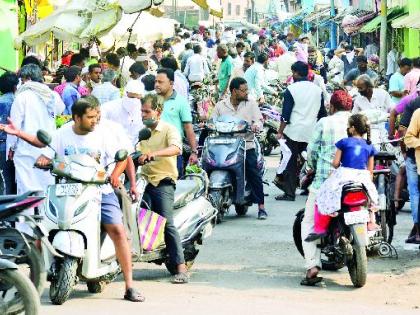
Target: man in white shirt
(196, 68)
(283, 64)
(35, 107)
(127, 61)
(255, 77)
(126, 111)
(370, 97)
(303, 105)
(107, 91)
(83, 136)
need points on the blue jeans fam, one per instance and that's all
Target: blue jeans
(413, 187)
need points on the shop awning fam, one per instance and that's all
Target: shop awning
(407, 21)
(374, 24)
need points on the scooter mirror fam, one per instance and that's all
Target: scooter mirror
(144, 134)
(43, 136)
(121, 155)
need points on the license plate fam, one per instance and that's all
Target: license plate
(68, 189)
(355, 217)
(222, 141)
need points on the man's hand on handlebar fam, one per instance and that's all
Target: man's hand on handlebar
(145, 158)
(43, 162)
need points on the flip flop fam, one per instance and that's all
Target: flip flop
(133, 295)
(181, 278)
(310, 282)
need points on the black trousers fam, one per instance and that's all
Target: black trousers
(290, 173)
(161, 200)
(253, 177)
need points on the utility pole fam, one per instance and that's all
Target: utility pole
(382, 44)
(333, 27)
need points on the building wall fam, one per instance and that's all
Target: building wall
(8, 16)
(235, 9)
(412, 36)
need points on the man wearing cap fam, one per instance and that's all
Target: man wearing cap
(126, 111)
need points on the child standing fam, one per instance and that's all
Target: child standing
(354, 159)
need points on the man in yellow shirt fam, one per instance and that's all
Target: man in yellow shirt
(159, 160)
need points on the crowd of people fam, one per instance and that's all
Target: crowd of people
(111, 96)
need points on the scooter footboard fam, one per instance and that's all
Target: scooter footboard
(70, 243)
(359, 232)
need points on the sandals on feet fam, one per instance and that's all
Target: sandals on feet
(133, 295)
(310, 281)
(181, 278)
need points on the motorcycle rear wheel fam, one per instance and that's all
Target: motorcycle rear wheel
(26, 299)
(357, 266)
(241, 210)
(62, 284)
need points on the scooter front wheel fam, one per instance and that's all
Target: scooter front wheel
(63, 281)
(216, 200)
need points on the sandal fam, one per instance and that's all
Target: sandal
(133, 295)
(310, 282)
(181, 278)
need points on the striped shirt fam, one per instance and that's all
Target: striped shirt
(321, 149)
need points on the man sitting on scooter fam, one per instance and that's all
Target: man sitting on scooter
(81, 138)
(159, 160)
(238, 105)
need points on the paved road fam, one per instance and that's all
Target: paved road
(251, 267)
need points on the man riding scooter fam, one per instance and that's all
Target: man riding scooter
(238, 105)
(159, 160)
(84, 138)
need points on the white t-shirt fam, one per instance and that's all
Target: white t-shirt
(125, 112)
(101, 144)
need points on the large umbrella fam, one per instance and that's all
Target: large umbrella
(81, 20)
(213, 6)
(145, 28)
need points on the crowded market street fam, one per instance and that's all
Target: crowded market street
(252, 267)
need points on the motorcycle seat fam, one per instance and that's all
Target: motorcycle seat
(185, 192)
(353, 187)
(385, 156)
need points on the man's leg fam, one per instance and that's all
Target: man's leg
(289, 173)
(111, 219)
(312, 252)
(254, 179)
(162, 198)
(413, 189)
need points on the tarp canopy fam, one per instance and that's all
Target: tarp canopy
(147, 28)
(374, 24)
(408, 21)
(213, 6)
(81, 20)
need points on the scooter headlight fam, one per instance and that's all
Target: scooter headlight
(231, 158)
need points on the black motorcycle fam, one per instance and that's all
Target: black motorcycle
(346, 239)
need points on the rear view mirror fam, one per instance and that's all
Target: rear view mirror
(121, 155)
(43, 136)
(144, 134)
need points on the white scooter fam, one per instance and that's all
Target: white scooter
(72, 216)
(193, 216)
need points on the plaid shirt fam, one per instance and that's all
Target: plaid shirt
(321, 148)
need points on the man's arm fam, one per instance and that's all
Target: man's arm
(118, 170)
(11, 129)
(288, 105)
(392, 118)
(314, 146)
(412, 135)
